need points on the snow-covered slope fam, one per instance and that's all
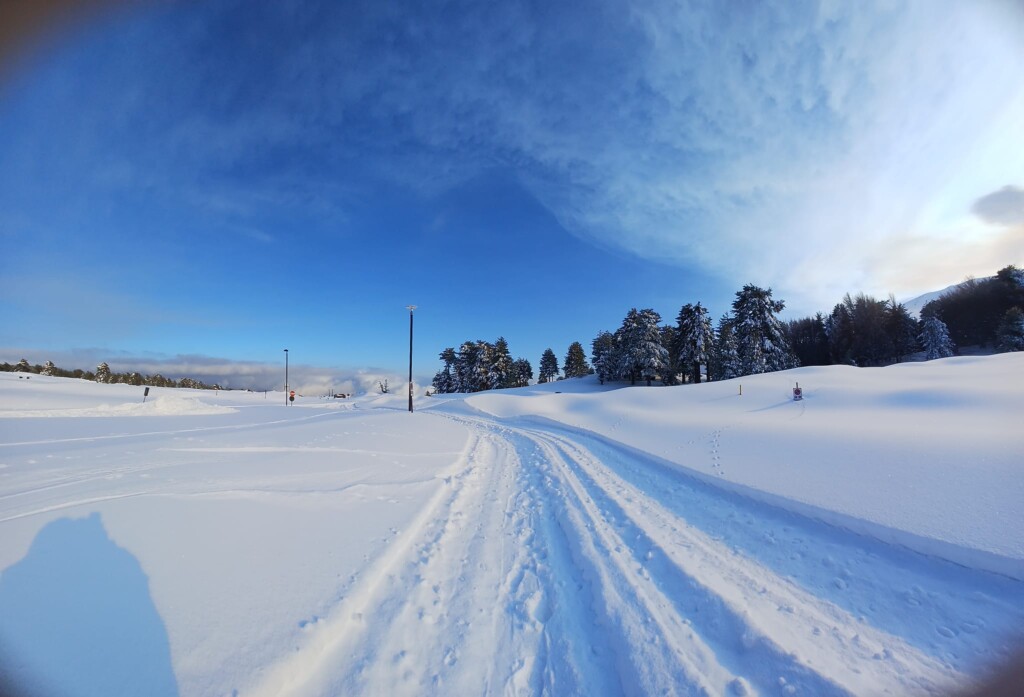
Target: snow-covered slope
(915, 305)
(568, 538)
(924, 454)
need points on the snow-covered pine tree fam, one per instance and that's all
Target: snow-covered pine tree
(1014, 273)
(48, 369)
(670, 340)
(522, 372)
(642, 355)
(1010, 334)
(499, 370)
(575, 365)
(602, 349)
(103, 373)
(760, 341)
(548, 366)
(726, 357)
(23, 367)
(696, 339)
(482, 368)
(465, 367)
(935, 338)
(159, 380)
(444, 379)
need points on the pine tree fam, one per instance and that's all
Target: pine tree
(935, 338)
(548, 366)
(478, 365)
(726, 358)
(23, 367)
(103, 373)
(465, 367)
(499, 369)
(809, 340)
(670, 340)
(575, 365)
(444, 379)
(642, 355)
(760, 342)
(482, 366)
(696, 339)
(901, 330)
(48, 369)
(602, 350)
(868, 339)
(522, 372)
(1010, 334)
(159, 380)
(839, 328)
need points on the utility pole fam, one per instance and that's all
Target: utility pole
(286, 377)
(411, 308)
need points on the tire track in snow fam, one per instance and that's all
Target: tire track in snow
(652, 651)
(481, 595)
(962, 617)
(540, 569)
(753, 620)
(756, 621)
(439, 626)
(366, 608)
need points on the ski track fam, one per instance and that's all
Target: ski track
(553, 562)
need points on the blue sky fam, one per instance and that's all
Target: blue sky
(202, 184)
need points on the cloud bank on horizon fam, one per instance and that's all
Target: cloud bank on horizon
(815, 147)
(310, 380)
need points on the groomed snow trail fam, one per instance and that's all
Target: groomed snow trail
(553, 563)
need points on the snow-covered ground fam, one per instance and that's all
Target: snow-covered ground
(563, 539)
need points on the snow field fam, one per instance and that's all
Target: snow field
(590, 542)
(925, 455)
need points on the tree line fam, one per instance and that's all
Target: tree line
(865, 331)
(105, 375)
(481, 365)
(751, 339)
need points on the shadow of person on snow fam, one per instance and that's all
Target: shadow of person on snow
(76, 618)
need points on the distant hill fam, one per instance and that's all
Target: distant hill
(914, 306)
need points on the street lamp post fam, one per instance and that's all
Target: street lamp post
(411, 308)
(286, 377)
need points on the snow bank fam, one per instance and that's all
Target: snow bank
(928, 455)
(160, 406)
(37, 396)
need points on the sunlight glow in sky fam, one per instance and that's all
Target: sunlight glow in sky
(225, 179)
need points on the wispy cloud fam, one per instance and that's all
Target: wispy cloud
(788, 144)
